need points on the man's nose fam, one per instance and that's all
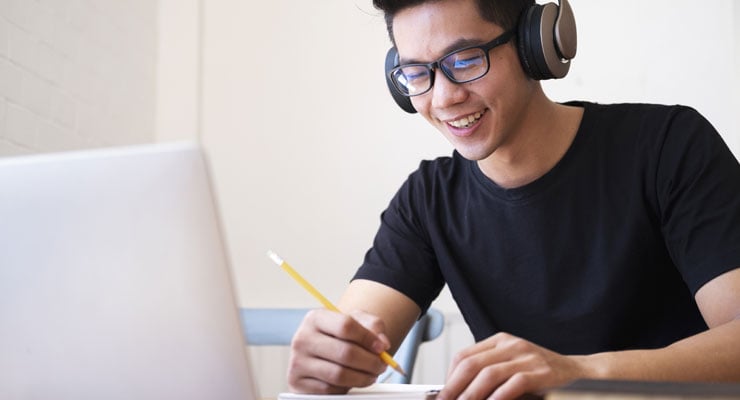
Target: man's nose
(446, 92)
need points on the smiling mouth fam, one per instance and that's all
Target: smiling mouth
(466, 122)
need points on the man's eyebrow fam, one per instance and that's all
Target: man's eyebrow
(456, 45)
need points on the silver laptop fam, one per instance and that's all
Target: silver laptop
(114, 283)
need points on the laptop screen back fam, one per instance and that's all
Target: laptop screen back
(114, 282)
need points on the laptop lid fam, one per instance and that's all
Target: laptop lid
(114, 282)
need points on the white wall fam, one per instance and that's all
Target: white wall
(178, 70)
(306, 147)
(76, 74)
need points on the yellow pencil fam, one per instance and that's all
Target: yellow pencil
(328, 304)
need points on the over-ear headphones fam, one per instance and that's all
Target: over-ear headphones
(546, 42)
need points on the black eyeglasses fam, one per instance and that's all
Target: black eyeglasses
(460, 66)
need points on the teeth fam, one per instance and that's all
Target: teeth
(465, 122)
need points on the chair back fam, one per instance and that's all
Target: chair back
(427, 328)
(270, 326)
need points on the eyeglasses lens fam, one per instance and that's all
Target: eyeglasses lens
(465, 65)
(413, 79)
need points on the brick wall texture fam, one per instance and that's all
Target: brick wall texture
(76, 74)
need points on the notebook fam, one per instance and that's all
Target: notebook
(378, 391)
(114, 282)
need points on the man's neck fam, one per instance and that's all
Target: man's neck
(541, 141)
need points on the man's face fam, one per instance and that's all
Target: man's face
(477, 117)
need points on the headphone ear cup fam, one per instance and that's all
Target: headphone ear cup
(391, 61)
(547, 40)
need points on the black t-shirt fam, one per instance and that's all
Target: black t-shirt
(604, 252)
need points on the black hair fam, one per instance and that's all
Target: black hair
(504, 13)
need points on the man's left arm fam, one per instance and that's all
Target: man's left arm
(712, 355)
(505, 367)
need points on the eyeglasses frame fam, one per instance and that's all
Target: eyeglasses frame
(434, 65)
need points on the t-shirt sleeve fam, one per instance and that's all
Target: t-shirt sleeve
(698, 187)
(402, 256)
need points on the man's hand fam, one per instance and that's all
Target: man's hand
(333, 352)
(506, 367)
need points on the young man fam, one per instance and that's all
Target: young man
(579, 240)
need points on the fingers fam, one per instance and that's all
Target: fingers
(342, 345)
(501, 367)
(349, 329)
(374, 324)
(466, 366)
(332, 352)
(505, 380)
(316, 375)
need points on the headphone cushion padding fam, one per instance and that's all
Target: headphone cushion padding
(523, 40)
(536, 45)
(391, 61)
